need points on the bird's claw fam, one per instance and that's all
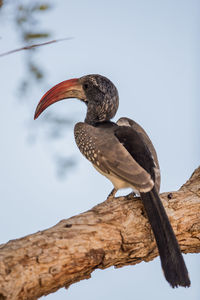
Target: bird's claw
(111, 196)
(131, 196)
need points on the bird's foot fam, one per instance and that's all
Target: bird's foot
(131, 196)
(111, 196)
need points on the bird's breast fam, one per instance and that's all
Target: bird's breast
(86, 142)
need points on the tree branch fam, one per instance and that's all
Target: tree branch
(34, 46)
(113, 233)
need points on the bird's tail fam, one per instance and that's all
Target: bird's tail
(172, 262)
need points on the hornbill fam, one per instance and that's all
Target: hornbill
(122, 152)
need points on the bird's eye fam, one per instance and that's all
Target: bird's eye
(85, 86)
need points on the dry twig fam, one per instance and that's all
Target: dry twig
(34, 46)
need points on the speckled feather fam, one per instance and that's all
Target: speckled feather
(110, 157)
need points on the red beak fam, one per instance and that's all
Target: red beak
(66, 89)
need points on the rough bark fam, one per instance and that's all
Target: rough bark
(113, 233)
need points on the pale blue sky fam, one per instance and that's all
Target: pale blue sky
(149, 49)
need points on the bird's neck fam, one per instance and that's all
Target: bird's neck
(100, 112)
(104, 124)
(94, 120)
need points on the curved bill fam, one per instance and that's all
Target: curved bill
(66, 89)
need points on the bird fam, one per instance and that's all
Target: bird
(124, 153)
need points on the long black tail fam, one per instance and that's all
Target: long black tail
(172, 262)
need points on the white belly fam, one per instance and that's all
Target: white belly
(116, 181)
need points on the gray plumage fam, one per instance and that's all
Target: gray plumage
(110, 158)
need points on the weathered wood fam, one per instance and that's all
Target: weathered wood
(112, 233)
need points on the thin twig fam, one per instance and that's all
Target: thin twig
(34, 46)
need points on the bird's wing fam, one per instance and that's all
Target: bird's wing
(107, 149)
(128, 122)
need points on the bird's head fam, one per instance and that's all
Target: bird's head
(98, 92)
